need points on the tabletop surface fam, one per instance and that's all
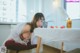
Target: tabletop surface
(58, 34)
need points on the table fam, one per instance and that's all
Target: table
(57, 34)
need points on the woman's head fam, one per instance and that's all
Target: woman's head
(37, 20)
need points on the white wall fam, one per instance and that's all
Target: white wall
(76, 23)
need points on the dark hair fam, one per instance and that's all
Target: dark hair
(31, 30)
(37, 16)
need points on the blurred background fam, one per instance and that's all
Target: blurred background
(56, 13)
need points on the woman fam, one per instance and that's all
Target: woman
(20, 38)
(37, 22)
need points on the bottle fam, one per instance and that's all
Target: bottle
(69, 23)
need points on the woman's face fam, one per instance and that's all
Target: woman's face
(26, 32)
(39, 23)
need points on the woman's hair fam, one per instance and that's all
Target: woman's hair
(28, 23)
(31, 30)
(37, 16)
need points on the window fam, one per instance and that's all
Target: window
(73, 8)
(13, 11)
(7, 10)
(22, 11)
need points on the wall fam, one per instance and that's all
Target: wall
(76, 23)
(55, 15)
(5, 30)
